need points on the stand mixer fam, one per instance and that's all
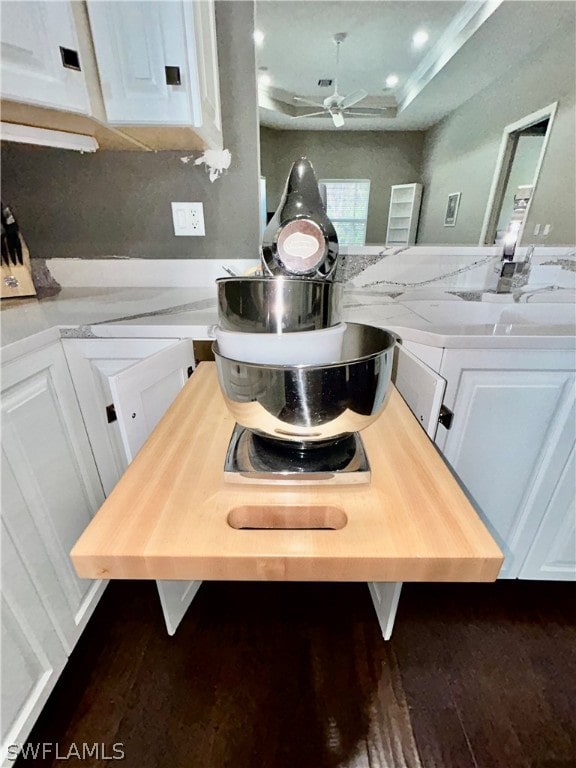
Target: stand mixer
(298, 422)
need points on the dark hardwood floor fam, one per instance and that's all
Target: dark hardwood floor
(298, 676)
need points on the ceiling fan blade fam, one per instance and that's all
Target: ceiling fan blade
(308, 101)
(308, 114)
(367, 111)
(337, 118)
(353, 98)
(362, 114)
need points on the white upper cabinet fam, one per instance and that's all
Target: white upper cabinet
(41, 63)
(141, 49)
(135, 75)
(207, 80)
(158, 66)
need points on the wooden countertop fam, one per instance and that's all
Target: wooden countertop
(167, 518)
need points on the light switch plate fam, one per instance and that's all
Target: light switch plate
(188, 219)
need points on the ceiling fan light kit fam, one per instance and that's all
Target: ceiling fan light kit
(337, 106)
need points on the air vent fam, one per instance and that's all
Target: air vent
(325, 83)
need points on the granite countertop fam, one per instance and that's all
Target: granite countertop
(433, 316)
(76, 310)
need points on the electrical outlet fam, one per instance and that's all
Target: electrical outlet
(188, 219)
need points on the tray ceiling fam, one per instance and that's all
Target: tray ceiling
(471, 45)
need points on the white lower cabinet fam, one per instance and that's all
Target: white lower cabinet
(420, 386)
(124, 388)
(50, 491)
(511, 444)
(32, 653)
(552, 554)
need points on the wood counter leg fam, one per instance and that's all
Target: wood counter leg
(175, 597)
(385, 596)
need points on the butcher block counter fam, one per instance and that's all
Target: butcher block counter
(172, 516)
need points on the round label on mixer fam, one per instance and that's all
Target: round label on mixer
(301, 246)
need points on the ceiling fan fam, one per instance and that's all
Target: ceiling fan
(335, 105)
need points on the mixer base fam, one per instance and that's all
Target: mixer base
(252, 458)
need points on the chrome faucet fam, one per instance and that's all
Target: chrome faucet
(513, 273)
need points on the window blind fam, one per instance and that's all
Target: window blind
(347, 208)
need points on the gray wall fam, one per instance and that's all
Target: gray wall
(118, 203)
(386, 158)
(460, 153)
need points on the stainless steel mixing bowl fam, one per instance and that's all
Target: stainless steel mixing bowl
(277, 304)
(308, 403)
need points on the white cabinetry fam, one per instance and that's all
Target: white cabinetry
(40, 57)
(140, 378)
(32, 654)
(420, 386)
(552, 554)
(92, 363)
(135, 75)
(512, 433)
(158, 65)
(404, 213)
(50, 491)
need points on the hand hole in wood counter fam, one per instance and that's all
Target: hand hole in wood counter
(255, 517)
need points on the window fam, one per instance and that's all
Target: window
(347, 208)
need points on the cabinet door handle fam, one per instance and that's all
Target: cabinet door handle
(445, 417)
(70, 59)
(173, 76)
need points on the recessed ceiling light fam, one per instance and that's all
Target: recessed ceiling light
(264, 79)
(258, 36)
(420, 38)
(391, 81)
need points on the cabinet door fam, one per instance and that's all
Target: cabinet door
(506, 426)
(134, 43)
(143, 392)
(33, 35)
(32, 655)
(50, 488)
(203, 58)
(91, 363)
(421, 387)
(552, 554)
(142, 395)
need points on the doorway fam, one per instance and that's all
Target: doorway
(519, 162)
